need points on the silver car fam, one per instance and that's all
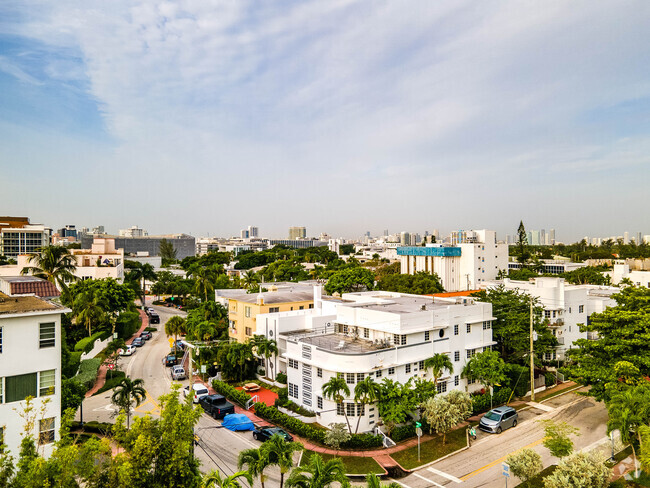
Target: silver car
(499, 419)
(178, 373)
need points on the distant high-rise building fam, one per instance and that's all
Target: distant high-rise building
(68, 231)
(551, 236)
(542, 237)
(253, 231)
(244, 234)
(405, 239)
(367, 234)
(639, 238)
(416, 239)
(508, 239)
(626, 237)
(297, 232)
(133, 231)
(534, 238)
(99, 229)
(19, 236)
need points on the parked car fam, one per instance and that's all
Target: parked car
(216, 406)
(198, 391)
(178, 344)
(154, 318)
(127, 351)
(138, 342)
(265, 433)
(146, 335)
(170, 360)
(178, 373)
(150, 311)
(499, 419)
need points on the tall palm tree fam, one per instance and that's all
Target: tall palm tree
(373, 481)
(366, 391)
(438, 364)
(214, 478)
(257, 461)
(280, 453)
(126, 393)
(54, 264)
(337, 389)
(89, 309)
(249, 279)
(204, 279)
(266, 348)
(144, 272)
(318, 474)
(175, 326)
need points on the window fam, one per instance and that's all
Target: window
(426, 335)
(319, 402)
(319, 372)
(456, 356)
(569, 309)
(247, 311)
(350, 409)
(340, 375)
(456, 329)
(469, 328)
(47, 335)
(408, 368)
(456, 380)
(442, 387)
(46, 382)
(301, 307)
(421, 365)
(581, 308)
(547, 314)
(339, 409)
(554, 313)
(311, 305)
(46, 431)
(487, 325)
(293, 363)
(249, 331)
(293, 390)
(470, 381)
(274, 309)
(469, 353)
(366, 333)
(359, 377)
(378, 373)
(361, 409)
(349, 378)
(391, 370)
(19, 387)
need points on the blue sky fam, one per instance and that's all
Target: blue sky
(344, 116)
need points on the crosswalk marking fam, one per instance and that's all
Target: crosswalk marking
(445, 475)
(428, 480)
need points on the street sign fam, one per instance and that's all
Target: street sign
(506, 470)
(418, 431)
(203, 368)
(111, 366)
(171, 341)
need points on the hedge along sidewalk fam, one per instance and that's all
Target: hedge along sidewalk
(103, 369)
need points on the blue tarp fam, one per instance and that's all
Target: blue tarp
(237, 421)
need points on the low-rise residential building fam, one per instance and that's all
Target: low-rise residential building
(566, 306)
(183, 244)
(243, 307)
(377, 335)
(622, 271)
(30, 327)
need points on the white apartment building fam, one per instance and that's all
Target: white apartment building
(373, 334)
(23, 239)
(565, 306)
(30, 365)
(472, 258)
(622, 271)
(133, 231)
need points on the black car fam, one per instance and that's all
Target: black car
(265, 433)
(216, 406)
(154, 318)
(170, 360)
(138, 342)
(145, 335)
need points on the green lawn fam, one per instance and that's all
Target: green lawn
(431, 450)
(353, 464)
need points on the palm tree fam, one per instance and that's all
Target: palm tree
(318, 474)
(373, 481)
(144, 272)
(337, 389)
(438, 364)
(266, 348)
(257, 461)
(366, 391)
(280, 453)
(126, 393)
(175, 326)
(203, 280)
(89, 309)
(54, 264)
(214, 478)
(249, 279)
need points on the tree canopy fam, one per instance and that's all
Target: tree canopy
(420, 283)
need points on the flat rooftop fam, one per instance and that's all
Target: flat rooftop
(403, 303)
(12, 305)
(280, 296)
(338, 342)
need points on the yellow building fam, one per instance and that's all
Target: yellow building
(243, 307)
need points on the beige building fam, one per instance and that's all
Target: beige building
(297, 232)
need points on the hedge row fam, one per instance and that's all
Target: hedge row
(238, 396)
(103, 428)
(481, 403)
(86, 344)
(88, 372)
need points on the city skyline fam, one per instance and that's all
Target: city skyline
(200, 117)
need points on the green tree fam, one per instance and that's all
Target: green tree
(420, 283)
(523, 255)
(256, 461)
(525, 465)
(319, 474)
(644, 451)
(236, 360)
(89, 309)
(350, 279)
(204, 279)
(167, 252)
(373, 481)
(336, 389)
(265, 348)
(442, 415)
(580, 470)
(556, 437)
(366, 392)
(280, 454)
(623, 334)
(175, 326)
(438, 364)
(217, 480)
(139, 272)
(54, 264)
(126, 394)
(337, 435)
(396, 401)
(486, 367)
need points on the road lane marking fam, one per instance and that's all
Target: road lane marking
(149, 400)
(392, 480)
(428, 480)
(540, 406)
(444, 475)
(500, 460)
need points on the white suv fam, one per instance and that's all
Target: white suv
(198, 391)
(178, 373)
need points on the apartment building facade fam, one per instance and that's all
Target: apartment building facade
(18, 236)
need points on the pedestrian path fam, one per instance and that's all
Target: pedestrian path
(540, 406)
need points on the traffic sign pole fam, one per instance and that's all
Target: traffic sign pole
(418, 431)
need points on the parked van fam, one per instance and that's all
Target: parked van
(499, 419)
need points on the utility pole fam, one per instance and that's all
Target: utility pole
(532, 360)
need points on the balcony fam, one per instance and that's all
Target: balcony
(592, 336)
(560, 341)
(556, 323)
(343, 343)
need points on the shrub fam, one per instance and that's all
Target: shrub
(112, 380)
(72, 366)
(362, 441)
(103, 428)
(86, 344)
(518, 378)
(550, 379)
(281, 378)
(238, 396)
(88, 372)
(481, 403)
(403, 432)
